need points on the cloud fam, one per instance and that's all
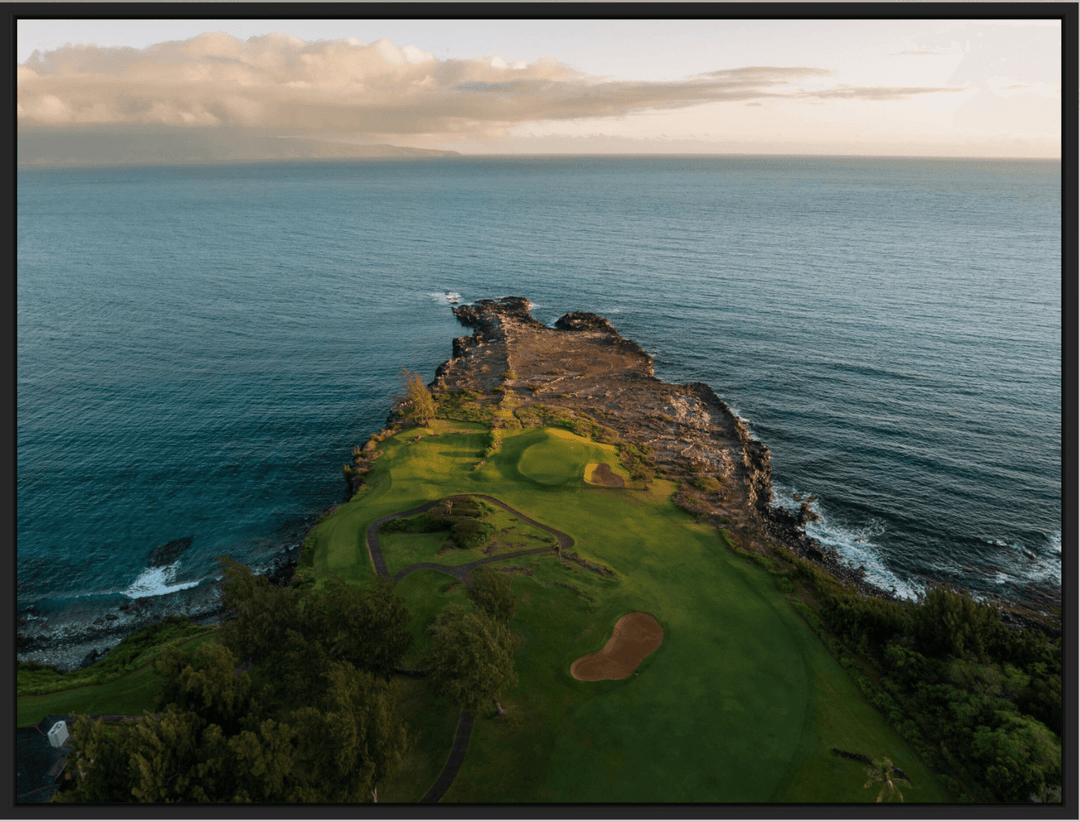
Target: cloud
(344, 87)
(874, 92)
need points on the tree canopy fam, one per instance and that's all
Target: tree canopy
(324, 728)
(492, 593)
(471, 658)
(285, 630)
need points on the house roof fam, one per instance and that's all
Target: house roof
(39, 764)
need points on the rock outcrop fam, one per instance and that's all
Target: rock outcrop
(585, 366)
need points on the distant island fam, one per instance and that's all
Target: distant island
(56, 147)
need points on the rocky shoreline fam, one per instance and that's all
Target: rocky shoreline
(79, 636)
(584, 365)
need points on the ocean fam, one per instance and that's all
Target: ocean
(200, 347)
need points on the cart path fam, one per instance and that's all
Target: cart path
(453, 764)
(566, 542)
(465, 720)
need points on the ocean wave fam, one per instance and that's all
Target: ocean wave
(1040, 565)
(445, 297)
(853, 542)
(1019, 564)
(154, 582)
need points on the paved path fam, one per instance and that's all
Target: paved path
(465, 721)
(566, 542)
(453, 764)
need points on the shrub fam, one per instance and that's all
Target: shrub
(437, 520)
(709, 485)
(462, 405)
(472, 533)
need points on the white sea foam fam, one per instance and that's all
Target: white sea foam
(157, 581)
(1053, 542)
(1045, 567)
(445, 297)
(738, 414)
(854, 542)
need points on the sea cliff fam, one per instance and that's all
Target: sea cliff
(584, 365)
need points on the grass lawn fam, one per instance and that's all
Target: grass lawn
(741, 702)
(434, 723)
(127, 695)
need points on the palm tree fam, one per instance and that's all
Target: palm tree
(882, 772)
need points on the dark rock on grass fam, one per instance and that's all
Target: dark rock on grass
(168, 553)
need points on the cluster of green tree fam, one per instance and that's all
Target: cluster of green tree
(315, 721)
(218, 738)
(472, 655)
(987, 697)
(132, 652)
(463, 518)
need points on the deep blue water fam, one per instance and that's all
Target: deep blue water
(200, 347)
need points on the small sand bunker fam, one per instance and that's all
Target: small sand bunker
(600, 474)
(636, 635)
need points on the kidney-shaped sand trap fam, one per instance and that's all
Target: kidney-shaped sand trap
(600, 474)
(636, 635)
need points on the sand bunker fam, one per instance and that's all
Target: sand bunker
(636, 636)
(600, 474)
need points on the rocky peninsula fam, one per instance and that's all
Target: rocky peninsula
(584, 365)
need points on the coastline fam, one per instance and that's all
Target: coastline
(706, 432)
(689, 429)
(81, 634)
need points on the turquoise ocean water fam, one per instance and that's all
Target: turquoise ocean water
(200, 347)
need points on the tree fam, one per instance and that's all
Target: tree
(881, 773)
(368, 628)
(417, 404)
(471, 658)
(492, 593)
(207, 683)
(1021, 756)
(287, 631)
(258, 615)
(950, 623)
(99, 768)
(349, 738)
(334, 746)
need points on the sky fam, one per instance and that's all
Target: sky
(870, 87)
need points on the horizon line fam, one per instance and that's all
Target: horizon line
(522, 156)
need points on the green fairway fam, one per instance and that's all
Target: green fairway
(741, 702)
